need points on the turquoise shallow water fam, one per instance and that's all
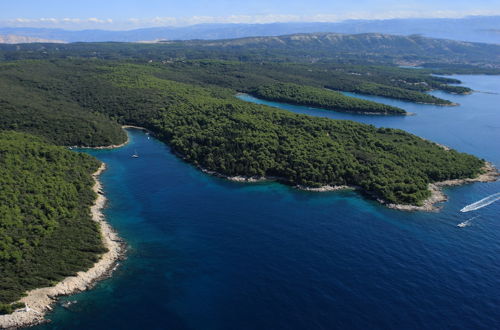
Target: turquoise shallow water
(206, 253)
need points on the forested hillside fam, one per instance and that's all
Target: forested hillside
(391, 82)
(210, 128)
(46, 232)
(28, 106)
(365, 64)
(67, 114)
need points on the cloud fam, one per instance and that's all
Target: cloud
(57, 22)
(183, 21)
(108, 23)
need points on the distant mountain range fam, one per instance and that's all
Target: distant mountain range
(474, 28)
(305, 47)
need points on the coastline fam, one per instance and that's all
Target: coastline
(38, 301)
(490, 174)
(136, 127)
(406, 113)
(114, 146)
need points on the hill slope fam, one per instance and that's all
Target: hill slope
(360, 48)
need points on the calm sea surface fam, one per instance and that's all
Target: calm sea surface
(205, 253)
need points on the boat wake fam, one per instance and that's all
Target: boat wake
(466, 223)
(481, 203)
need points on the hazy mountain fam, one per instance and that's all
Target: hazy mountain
(475, 28)
(414, 48)
(17, 39)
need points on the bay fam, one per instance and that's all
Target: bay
(206, 253)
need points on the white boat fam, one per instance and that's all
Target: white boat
(135, 155)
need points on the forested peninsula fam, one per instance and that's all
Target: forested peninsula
(321, 98)
(46, 231)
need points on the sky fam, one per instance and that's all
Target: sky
(130, 14)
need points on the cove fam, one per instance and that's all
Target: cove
(206, 253)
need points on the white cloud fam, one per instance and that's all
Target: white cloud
(183, 21)
(65, 22)
(108, 23)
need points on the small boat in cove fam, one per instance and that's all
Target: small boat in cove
(135, 155)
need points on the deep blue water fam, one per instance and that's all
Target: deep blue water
(206, 253)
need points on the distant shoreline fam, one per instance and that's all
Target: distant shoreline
(368, 113)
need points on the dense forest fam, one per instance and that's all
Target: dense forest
(210, 128)
(245, 64)
(46, 232)
(322, 98)
(392, 82)
(27, 106)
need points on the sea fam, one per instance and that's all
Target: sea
(206, 253)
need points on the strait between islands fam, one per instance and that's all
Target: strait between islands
(38, 301)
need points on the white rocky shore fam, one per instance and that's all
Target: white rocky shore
(39, 301)
(490, 174)
(114, 146)
(325, 188)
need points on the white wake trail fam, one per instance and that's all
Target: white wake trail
(467, 223)
(481, 203)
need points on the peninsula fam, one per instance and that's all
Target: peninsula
(51, 244)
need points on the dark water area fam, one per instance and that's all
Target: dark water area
(206, 253)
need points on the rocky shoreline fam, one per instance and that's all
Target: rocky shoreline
(38, 301)
(114, 146)
(326, 188)
(490, 174)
